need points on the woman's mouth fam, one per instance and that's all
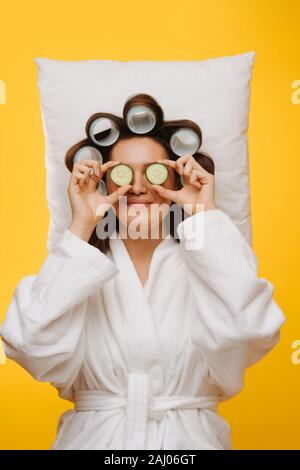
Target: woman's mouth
(135, 201)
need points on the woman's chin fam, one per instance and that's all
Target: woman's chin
(139, 223)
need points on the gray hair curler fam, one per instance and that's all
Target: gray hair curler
(103, 131)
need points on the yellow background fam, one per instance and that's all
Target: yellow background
(266, 415)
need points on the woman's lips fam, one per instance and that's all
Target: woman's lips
(145, 203)
(139, 204)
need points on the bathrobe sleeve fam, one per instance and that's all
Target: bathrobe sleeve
(239, 321)
(44, 326)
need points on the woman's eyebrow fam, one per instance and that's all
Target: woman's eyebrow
(147, 164)
(144, 164)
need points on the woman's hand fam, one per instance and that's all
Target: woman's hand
(88, 204)
(199, 185)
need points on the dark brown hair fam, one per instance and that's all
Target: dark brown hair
(161, 133)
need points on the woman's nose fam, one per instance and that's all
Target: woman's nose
(139, 184)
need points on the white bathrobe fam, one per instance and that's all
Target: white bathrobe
(145, 367)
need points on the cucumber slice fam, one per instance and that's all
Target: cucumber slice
(121, 174)
(157, 173)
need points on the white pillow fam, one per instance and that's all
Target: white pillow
(214, 93)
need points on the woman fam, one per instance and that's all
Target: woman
(144, 335)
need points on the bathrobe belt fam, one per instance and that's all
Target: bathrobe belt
(139, 406)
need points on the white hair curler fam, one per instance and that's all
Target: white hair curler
(184, 141)
(87, 152)
(140, 119)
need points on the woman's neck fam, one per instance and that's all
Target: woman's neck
(141, 251)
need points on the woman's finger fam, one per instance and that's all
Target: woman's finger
(114, 197)
(79, 180)
(89, 168)
(194, 179)
(189, 162)
(99, 169)
(83, 179)
(169, 163)
(74, 180)
(93, 173)
(194, 175)
(79, 166)
(179, 167)
(77, 176)
(84, 169)
(166, 193)
(106, 166)
(182, 160)
(93, 165)
(188, 167)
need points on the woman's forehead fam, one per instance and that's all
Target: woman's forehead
(138, 150)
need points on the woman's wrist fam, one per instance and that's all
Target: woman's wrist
(202, 207)
(82, 230)
(210, 207)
